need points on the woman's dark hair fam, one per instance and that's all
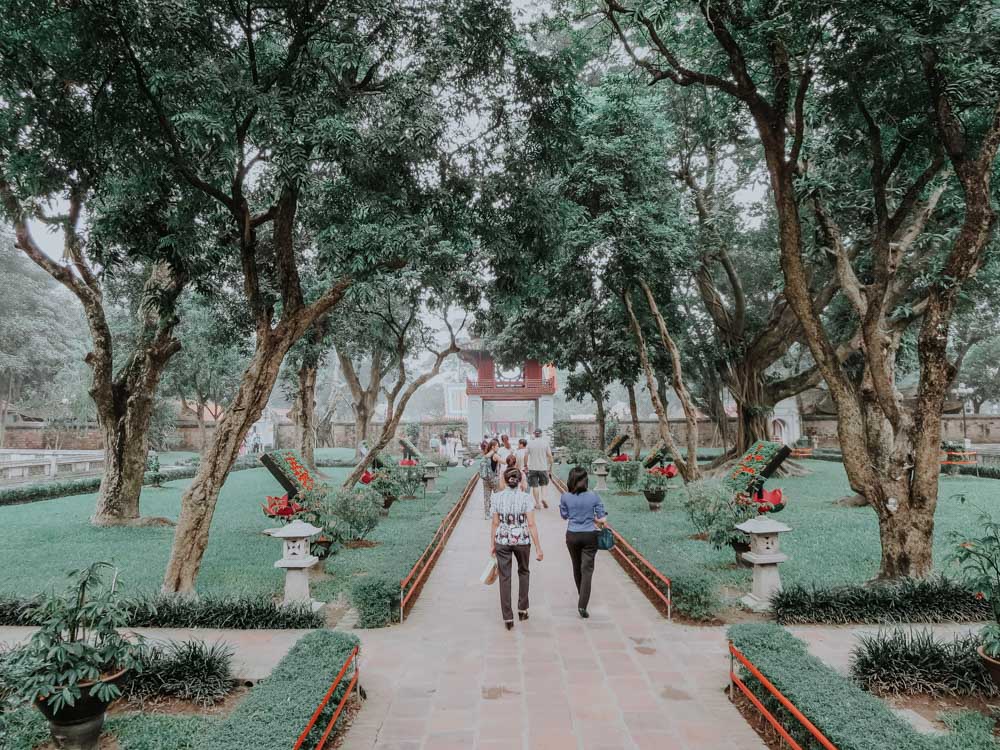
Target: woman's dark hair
(523, 441)
(577, 481)
(484, 446)
(494, 443)
(512, 461)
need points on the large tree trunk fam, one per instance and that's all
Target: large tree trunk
(633, 410)
(307, 414)
(125, 451)
(363, 417)
(199, 500)
(753, 407)
(602, 424)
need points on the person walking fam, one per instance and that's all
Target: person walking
(511, 535)
(539, 464)
(488, 472)
(585, 514)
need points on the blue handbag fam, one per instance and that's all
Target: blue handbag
(605, 539)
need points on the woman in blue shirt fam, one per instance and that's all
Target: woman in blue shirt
(585, 513)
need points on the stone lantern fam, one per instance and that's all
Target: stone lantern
(765, 556)
(600, 467)
(296, 560)
(431, 472)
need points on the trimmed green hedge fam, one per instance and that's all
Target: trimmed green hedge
(937, 599)
(278, 709)
(32, 493)
(849, 717)
(249, 612)
(907, 662)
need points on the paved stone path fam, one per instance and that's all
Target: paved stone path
(255, 652)
(452, 677)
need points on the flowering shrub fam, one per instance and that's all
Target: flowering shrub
(621, 458)
(408, 462)
(281, 509)
(658, 478)
(626, 474)
(410, 476)
(769, 501)
(367, 477)
(350, 515)
(747, 471)
(715, 510)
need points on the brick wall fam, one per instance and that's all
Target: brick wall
(32, 437)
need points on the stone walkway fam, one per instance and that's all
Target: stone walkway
(255, 652)
(452, 677)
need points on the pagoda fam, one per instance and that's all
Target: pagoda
(530, 381)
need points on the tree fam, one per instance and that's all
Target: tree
(205, 373)
(38, 331)
(77, 144)
(981, 373)
(303, 364)
(311, 156)
(839, 103)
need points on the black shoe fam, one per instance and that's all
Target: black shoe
(522, 616)
(583, 613)
(509, 624)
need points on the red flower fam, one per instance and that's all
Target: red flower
(407, 462)
(280, 507)
(620, 457)
(367, 477)
(980, 595)
(670, 471)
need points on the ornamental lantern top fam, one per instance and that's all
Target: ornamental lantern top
(762, 525)
(297, 529)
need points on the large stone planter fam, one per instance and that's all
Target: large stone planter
(992, 665)
(655, 499)
(78, 727)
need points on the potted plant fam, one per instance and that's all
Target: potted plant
(656, 482)
(71, 667)
(386, 483)
(979, 561)
(626, 474)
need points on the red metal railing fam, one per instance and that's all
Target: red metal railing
(629, 564)
(484, 387)
(960, 458)
(801, 453)
(735, 655)
(429, 556)
(352, 660)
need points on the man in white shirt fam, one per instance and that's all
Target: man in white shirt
(539, 466)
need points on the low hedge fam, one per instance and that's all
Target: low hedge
(907, 662)
(32, 493)
(249, 612)
(849, 717)
(278, 709)
(938, 599)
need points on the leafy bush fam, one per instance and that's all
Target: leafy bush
(936, 599)
(702, 500)
(907, 661)
(247, 612)
(350, 515)
(376, 598)
(849, 717)
(278, 709)
(583, 456)
(695, 596)
(188, 670)
(979, 558)
(625, 474)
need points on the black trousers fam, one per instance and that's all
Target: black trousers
(521, 553)
(582, 546)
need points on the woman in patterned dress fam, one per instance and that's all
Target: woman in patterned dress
(511, 535)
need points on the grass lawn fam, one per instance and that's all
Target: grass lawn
(53, 537)
(335, 454)
(828, 545)
(169, 458)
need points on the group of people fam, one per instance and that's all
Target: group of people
(506, 474)
(448, 446)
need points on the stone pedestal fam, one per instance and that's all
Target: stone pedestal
(765, 557)
(475, 422)
(600, 469)
(297, 561)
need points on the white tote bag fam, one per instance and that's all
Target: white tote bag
(490, 572)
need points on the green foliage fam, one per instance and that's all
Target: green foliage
(151, 731)
(908, 662)
(351, 515)
(626, 474)
(153, 469)
(702, 500)
(565, 435)
(23, 729)
(240, 612)
(747, 470)
(936, 599)
(376, 598)
(848, 716)
(409, 479)
(278, 709)
(584, 457)
(979, 560)
(77, 645)
(189, 670)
